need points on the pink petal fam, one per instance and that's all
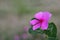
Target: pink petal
(47, 15)
(43, 15)
(44, 26)
(36, 26)
(33, 22)
(38, 15)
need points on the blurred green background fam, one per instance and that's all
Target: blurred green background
(16, 14)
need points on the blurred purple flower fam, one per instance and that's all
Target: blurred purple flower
(25, 36)
(26, 28)
(41, 20)
(16, 37)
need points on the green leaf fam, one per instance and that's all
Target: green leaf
(39, 31)
(31, 31)
(52, 30)
(35, 32)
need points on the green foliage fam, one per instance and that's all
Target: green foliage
(34, 32)
(51, 32)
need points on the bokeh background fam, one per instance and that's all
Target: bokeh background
(16, 14)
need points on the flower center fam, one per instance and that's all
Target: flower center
(41, 20)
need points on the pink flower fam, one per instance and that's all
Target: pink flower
(41, 20)
(16, 37)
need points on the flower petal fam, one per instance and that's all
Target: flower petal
(43, 15)
(38, 15)
(36, 26)
(47, 15)
(33, 22)
(44, 26)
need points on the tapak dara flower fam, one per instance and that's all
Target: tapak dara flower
(41, 20)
